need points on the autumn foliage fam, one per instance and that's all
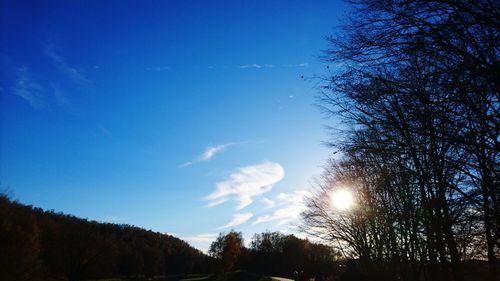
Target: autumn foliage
(43, 245)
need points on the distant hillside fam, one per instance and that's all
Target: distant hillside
(43, 245)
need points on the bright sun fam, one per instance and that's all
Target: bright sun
(341, 199)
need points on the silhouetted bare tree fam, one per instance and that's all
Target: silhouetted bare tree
(416, 84)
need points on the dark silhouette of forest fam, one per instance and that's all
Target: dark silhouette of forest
(273, 254)
(44, 245)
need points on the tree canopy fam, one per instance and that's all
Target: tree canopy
(416, 86)
(41, 245)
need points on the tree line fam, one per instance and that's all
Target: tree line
(415, 85)
(43, 245)
(274, 254)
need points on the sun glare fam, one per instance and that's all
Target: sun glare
(342, 199)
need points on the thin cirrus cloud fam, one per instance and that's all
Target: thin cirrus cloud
(158, 68)
(291, 205)
(27, 89)
(104, 131)
(208, 154)
(254, 65)
(257, 66)
(60, 98)
(33, 92)
(69, 71)
(237, 219)
(295, 65)
(245, 184)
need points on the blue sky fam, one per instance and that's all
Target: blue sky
(186, 117)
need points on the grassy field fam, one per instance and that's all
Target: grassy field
(231, 276)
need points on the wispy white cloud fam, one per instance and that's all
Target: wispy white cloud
(158, 68)
(295, 65)
(201, 238)
(72, 73)
(258, 66)
(61, 99)
(297, 232)
(237, 219)
(104, 130)
(200, 241)
(28, 89)
(254, 65)
(249, 66)
(175, 234)
(246, 183)
(291, 205)
(209, 153)
(268, 203)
